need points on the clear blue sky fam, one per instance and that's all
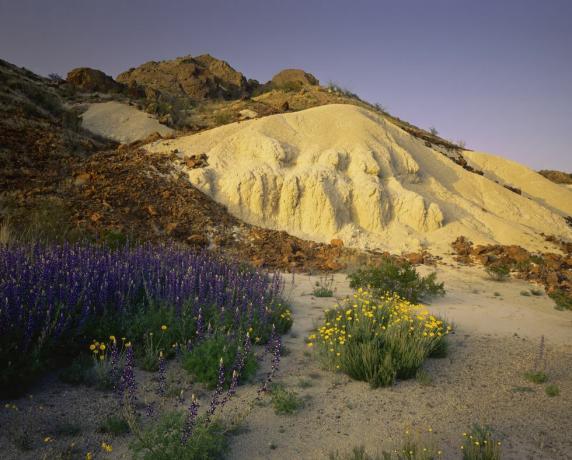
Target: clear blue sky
(495, 73)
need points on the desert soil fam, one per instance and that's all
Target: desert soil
(496, 339)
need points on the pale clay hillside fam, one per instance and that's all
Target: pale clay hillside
(341, 171)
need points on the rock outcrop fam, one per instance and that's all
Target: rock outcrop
(199, 78)
(93, 80)
(294, 77)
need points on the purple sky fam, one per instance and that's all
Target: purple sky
(495, 73)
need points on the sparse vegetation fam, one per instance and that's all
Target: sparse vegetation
(114, 425)
(498, 272)
(285, 401)
(480, 444)
(399, 277)
(536, 377)
(324, 286)
(162, 441)
(552, 390)
(562, 299)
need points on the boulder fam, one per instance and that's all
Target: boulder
(294, 77)
(93, 80)
(198, 78)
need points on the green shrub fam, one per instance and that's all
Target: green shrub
(498, 272)
(562, 299)
(203, 361)
(536, 376)
(552, 390)
(480, 444)
(398, 277)
(76, 373)
(114, 425)
(285, 401)
(162, 441)
(324, 287)
(378, 339)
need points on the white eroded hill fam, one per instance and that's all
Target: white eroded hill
(340, 171)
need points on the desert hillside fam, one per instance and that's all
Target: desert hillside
(344, 172)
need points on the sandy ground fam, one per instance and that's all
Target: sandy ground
(496, 340)
(121, 122)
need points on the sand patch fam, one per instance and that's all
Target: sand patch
(121, 122)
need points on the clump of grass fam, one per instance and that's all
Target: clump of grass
(552, 390)
(324, 287)
(76, 373)
(114, 425)
(399, 277)
(162, 441)
(536, 377)
(480, 444)
(562, 299)
(525, 293)
(203, 360)
(67, 429)
(537, 292)
(498, 272)
(285, 401)
(378, 339)
(496, 294)
(423, 377)
(305, 383)
(411, 447)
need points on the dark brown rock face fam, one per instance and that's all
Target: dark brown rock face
(294, 76)
(199, 78)
(93, 80)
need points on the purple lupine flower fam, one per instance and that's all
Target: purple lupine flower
(218, 391)
(190, 420)
(276, 350)
(128, 385)
(162, 380)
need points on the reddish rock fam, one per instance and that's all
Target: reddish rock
(337, 243)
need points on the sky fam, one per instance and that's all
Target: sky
(496, 74)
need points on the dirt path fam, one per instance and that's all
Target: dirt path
(496, 339)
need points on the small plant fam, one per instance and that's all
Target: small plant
(114, 425)
(536, 377)
(67, 429)
(284, 401)
(552, 390)
(202, 361)
(562, 299)
(108, 358)
(433, 131)
(498, 272)
(153, 346)
(324, 287)
(76, 373)
(525, 293)
(537, 292)
(479, 444)
(162, 441)
(497, 294)
(423, 377)
(399, 277)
